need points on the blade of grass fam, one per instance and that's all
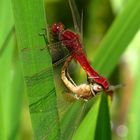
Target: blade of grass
(5, 86)
(10, 81)
(113, 45)
(71, 120)
(15, 98)
(5, 13)
(86, 128)
(100, 17)
(103, 129)
(29, 20)
(133, 122)
(117, 39)
(11, 86)
(133, 118)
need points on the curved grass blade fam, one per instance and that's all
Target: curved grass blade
(9, 94)
(71, 120)
(29, 21)
(134, 111)
(132, 120)
(16, 98)
(11, 83)
(117, 39)
(99, 18)
(5, 13)
(4, 45)
(87, 128)
(103, 129)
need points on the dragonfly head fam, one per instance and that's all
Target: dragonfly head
(97, 87)
(57, 28)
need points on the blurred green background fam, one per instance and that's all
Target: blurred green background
(104, 24)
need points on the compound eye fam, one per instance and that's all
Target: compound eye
(60, 27)
(97, 87)
(54, 28)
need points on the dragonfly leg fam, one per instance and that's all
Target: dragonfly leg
(113, 88)
(92, 89)
(68, 76)
(80, 97)
(76, 97)
(89, 79)
(67, 82)
(44, 36)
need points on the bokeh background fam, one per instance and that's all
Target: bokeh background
(98, 17)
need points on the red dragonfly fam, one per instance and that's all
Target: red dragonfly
(72, 41)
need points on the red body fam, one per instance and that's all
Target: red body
(72, 41)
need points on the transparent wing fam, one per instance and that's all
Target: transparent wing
(75, 16)
(77, 20)
(67, 128)
(35, 77)
(39, 107)
(82, 26)
(56, 51)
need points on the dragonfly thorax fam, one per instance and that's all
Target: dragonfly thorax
(70, 39)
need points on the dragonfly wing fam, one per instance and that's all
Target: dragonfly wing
(75, 16)
(81, 26)
(78, 21)
(56, 51)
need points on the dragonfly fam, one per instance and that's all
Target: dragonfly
(72, 42)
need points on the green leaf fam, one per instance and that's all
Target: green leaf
(86, 129)
(6, 88)
(118, 38)
(11, 82)
(132, 118)
(103, 130)
(37, 68)
(71, 119)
